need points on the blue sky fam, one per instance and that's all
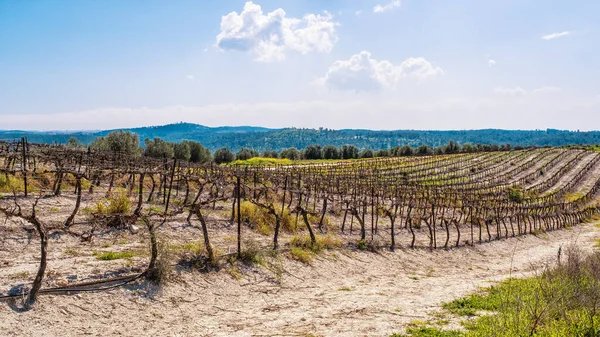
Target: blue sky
(381, 64)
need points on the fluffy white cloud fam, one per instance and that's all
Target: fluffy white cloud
(518, 91)
(270, 36)
(386, 7)
(555, 35)
(491, 63)
(363, 73)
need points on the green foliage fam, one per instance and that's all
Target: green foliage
(382, 153)
(301, 254)
(402, 151)
(515, 194)
(424, 150)
(74, 143)
(120, 141)
(367, 154)
(109, 256)
(223, 155)
(331, 152)
(564, 301)
(313, 152)
(182, 151)
(158, 148)
(423, 331)
(263, 161)
(468, 148)
(198, 153)
(322, 242)
(252, 253)
(260, 220)
(10, 184)
(278, 139)
(245, 154)
(115, 204)
(291, 154)
(270, 154)
(451, 148)
(349, 152)
(488, 300)
(302, 249)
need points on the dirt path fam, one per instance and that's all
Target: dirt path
(342, 294)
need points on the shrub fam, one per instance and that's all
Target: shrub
(223, 155)
(302, 255)
(11, 183)
(252, 252)
(515, 194)
(259, 218)
(322, 242)
(113, 205)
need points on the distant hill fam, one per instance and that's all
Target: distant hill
(260, 139)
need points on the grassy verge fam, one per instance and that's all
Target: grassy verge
(560, 301)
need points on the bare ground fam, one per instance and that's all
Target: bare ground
(343, 293)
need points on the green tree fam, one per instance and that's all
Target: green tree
(349, 152)
(158, 148)
(245, 154)
(291, 154)
(124, 142)
(270, 154)
(223, 155)
(182, 151)
(74, 143)
(367, 153)
(451, 148)
(331, 152)
(198, 153)
(468, 148)
(383, 153)
(424, 150)
(313, 152)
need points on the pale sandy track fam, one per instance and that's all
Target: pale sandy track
(310, 299)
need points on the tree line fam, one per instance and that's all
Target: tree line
(128, 143)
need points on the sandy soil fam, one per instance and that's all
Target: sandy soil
(343, 293)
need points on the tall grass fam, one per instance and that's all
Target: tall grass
(560, 301)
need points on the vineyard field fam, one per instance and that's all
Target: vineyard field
(106, 224)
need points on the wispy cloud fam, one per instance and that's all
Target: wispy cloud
(358, 12)
(190, 77)
(491, 63)
(386, 7)
(555, 35)
(518, 91)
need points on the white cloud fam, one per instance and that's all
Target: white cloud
(358, 12)
(547, 89)
(555, 35)
(491, 63)
(518, 91)
(190, 77)
(363, 73)
(369, 111)
(386, 7)
(271, 36)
